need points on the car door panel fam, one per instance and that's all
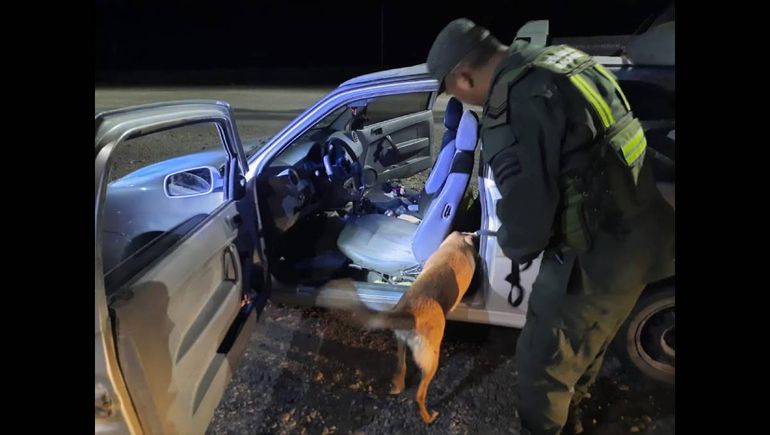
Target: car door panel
(410, 135)
(182, 305)
(177, 316)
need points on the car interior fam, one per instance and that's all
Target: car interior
(328, 216)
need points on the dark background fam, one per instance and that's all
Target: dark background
(252, 42)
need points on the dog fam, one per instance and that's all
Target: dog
(419, 318)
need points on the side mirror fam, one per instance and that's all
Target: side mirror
(358, 112)
(193, 182)
(654, 47)
(358, 104)
(534, 32)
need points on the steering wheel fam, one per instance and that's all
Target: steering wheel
(341, 165)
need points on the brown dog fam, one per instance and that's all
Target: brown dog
(419, 317)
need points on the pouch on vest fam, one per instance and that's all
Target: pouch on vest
(626, 137)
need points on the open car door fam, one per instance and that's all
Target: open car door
(177, 302)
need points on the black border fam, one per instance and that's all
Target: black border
(48, 311)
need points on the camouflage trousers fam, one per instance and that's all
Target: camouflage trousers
(570, 323)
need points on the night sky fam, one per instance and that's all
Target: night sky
(173, 35)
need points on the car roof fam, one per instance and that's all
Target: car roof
(413, 72)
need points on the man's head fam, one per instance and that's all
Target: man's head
(463, 59)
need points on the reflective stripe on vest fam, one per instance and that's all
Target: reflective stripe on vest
(636, 144)
(593, 97)
(634, 147)
(608, 75)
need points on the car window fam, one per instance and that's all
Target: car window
(160, 184)
(394, 106)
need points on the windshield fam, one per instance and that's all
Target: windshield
(250, 147)
(324, 123)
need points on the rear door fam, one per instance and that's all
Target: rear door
(177, 257)
(398, 133)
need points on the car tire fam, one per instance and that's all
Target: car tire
(645, 342)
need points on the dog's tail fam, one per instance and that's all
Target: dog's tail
(366, 317)
(387, 320)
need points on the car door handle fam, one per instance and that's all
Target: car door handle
(231, 265)
(234, 221)
(377, 130)
(392, 144)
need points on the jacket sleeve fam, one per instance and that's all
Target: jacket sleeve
(527, 171)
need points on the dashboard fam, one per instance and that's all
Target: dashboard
(304, 179)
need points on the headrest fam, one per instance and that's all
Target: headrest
(467, 132)
(454, 110)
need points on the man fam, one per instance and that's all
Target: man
(568, 158)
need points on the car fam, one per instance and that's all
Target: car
(195, 230)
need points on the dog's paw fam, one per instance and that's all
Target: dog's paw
(396, 389)
(433, 416)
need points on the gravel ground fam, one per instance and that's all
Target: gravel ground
(306, 371)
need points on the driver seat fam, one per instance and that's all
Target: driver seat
(397, 247)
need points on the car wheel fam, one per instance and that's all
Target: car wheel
(646, 340)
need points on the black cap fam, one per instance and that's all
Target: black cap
(451, 45)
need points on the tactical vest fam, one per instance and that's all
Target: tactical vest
(588, 201)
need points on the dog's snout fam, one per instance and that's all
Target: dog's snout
(472, 239)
